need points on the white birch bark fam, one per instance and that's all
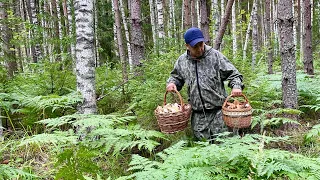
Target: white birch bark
(234, 30)
(302, 31)
(153, 21)
(246, 41)
(161, 33)
(215, 18)
(222, 8)
(197, 13)
(115, 35)
(254, 34)
(96, 40)
(124, 22)
(60, 27)
(71, 29)
(173, 20)
(85, 65)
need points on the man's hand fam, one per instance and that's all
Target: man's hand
(236, 92)
(171, 87)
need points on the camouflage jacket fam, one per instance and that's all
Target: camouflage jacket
(205, 78)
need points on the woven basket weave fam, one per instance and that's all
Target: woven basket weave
(237, 118)
(174, 121)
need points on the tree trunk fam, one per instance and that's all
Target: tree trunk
(127, 34)
(161, 34)
(85, 63)
(204, 20)
(298, 23)
(7, 48)
(268, 38)
(119, 40)
(187, 14)
(254, 34)
(54, 13)
(307, 39)
(288, 63)
(223, 26)
(136, 34)
(246, 41)
(153, 22)
(215, 18)
(234, 31)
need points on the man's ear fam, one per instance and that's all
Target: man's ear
(188, 46)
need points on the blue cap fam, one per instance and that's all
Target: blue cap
(193, 36)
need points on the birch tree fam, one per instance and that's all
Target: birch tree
(126, 30)
(234, 30)
(215, 18)
(160, 30)
(85, 62)
(288, 63)
(153, 21)
(307, 39)
(268, 37)
(119, 39)
(254, 34)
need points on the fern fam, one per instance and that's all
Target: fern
(7, 172)
(58, 138)
(233, 158)
(313, 134)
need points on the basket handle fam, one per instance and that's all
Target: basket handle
(177, 92)
(225, 102)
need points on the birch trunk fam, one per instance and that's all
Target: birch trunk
(254, 34)
(161, 34)
(246, 41)
(136, 34)
(119, 39)
(234, 31)
(288, 65)
(298, 23)
(153, 22)
(224, 23)
(124, 22)
(268, 38)
(307, 39)
(85, 65)
(215, 18)
(204, 20)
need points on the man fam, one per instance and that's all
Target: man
(204, 70)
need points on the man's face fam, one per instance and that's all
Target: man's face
(197, 50)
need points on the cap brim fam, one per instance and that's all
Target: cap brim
(196, 41)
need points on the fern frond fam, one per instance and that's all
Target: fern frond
(313, 133)
(7, 172)
(55, 139)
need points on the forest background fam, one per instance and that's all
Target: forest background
(80, 79)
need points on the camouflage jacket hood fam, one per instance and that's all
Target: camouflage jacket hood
(205, 78)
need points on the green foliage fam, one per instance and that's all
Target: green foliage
(272, 118)
(233, 158)
(313, 135)
(9, 172)
(75, 162)
(106, 132)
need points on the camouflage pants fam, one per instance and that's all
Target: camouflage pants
(206, 125)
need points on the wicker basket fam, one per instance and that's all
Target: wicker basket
(239, 117)
(174, 121)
